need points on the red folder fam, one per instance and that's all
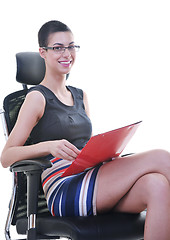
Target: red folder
(101, 148)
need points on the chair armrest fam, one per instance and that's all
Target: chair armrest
(32, 168)
(31, 165)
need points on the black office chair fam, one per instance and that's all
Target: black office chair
(28, 209)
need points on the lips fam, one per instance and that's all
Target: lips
(65, 63)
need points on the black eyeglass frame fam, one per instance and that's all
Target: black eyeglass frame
(62, 49)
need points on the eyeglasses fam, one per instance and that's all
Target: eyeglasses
(60, 50)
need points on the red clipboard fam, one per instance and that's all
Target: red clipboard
(101, 148)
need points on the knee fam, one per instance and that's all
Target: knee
(156, 188)
(162, 156)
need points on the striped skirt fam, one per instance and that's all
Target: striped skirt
(69, 196)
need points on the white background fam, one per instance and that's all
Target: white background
(123, 64)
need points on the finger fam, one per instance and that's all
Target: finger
(72, 148)
(66, 156)
(70, 152)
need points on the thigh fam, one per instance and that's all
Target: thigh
(141, 193)
(117, 177)
(150, 189)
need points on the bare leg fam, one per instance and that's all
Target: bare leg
(119, 178)
(151, 191)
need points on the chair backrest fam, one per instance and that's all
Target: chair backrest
(12, 104)
(30, 71)
(30, 68)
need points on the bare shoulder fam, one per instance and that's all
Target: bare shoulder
(32, 109)
(34, 103)
(35, 96)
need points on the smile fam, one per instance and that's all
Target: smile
(65, 63)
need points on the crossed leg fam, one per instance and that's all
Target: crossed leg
(132, 183)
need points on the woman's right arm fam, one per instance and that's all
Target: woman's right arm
(31, 112)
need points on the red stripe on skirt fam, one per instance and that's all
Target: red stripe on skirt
(61, 171)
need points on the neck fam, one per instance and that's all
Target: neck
(56, 84)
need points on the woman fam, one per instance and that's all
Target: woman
(57, 117)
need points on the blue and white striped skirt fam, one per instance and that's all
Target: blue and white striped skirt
(69, 196)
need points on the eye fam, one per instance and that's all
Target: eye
(58, 49)
(74, 48)
(71, 47)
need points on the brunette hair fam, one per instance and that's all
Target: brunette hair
(48, 28)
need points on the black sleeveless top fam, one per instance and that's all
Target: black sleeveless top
(61, 121)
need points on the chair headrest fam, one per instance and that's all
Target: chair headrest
(30, 68)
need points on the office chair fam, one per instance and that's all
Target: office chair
(28, 209)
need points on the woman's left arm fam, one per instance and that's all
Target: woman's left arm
(86, 104)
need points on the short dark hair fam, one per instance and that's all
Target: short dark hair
(48, 28)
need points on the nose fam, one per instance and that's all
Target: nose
(66, 52)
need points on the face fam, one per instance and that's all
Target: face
(59, 62)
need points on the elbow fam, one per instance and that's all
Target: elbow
(4, 165)
(3, 161)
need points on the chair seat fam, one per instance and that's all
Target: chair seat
(120, 225)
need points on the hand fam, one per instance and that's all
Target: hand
(63, 149)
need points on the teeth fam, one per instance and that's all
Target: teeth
(65, 62)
